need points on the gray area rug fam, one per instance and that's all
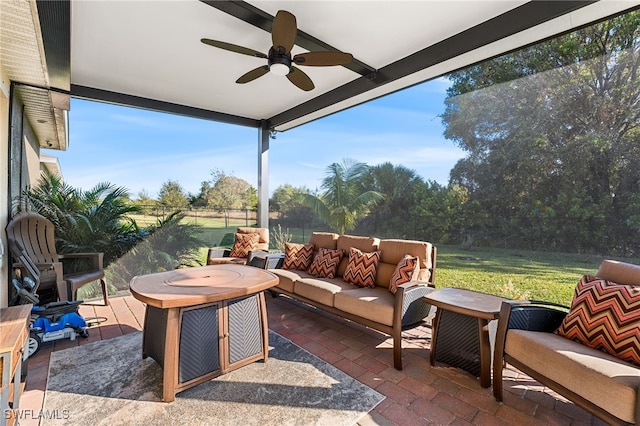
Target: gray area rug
(108, 383)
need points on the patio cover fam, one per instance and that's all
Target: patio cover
(148, 54)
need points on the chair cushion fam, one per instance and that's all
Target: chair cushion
(325, 263)
(297, 256)
(361, 268)
(590, 373)
(243, 244)
(605, 316)
(263, 236)
(406, 271)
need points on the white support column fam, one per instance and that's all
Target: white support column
(263, 176)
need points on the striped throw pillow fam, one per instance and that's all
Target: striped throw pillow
(362, 268)
(243, 244)
(605, 316)
(406, 270)
(325, 263)
(297, 256)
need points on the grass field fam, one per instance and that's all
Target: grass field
(517, 274)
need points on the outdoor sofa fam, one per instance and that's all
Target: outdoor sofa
(590, 354)
(359, 289)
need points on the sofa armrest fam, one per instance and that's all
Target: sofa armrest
(214, 253)
(535, 315)
(265, 260)
(410, 306)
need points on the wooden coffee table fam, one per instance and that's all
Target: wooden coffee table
(203, 322)
(461, 330)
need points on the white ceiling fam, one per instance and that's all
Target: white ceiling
(147, 53)
(152, 49)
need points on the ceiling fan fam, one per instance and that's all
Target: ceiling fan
(279, 60)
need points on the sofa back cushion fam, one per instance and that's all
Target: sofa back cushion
(394, 250)
(323, 240)
(346, 242)
(619, 272)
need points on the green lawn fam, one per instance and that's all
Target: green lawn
(515, 274)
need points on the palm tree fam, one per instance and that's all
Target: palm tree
(344, 201)
(96, 220)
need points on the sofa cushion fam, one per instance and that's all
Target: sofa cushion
(406, 271)
(579, 368)
(288, 277)
(325, 263)
(297, 256)
(361, 268)
(394, 250)
(321, 290)
(323, 240)
(605, 316)
(243, 244)
(375, 304)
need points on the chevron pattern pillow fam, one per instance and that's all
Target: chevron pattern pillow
(362, 268)
(605, 316)
(297, 256)
(325, 263)
(243, 244)
(406, 270)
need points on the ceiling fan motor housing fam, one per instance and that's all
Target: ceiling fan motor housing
(278, 61)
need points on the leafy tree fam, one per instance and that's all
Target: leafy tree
(344, 200)
(229, 193)
(171, 194)
(552, 135)
(200, 199)
(288, 202)
(400, 186)
(145, 203)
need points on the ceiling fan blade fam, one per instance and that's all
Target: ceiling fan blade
(322, 59)
(253, 74)
(300, 79)
(283, 31)
(233, 48)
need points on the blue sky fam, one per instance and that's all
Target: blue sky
(140, 150)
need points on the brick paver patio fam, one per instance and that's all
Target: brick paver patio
(417, 395)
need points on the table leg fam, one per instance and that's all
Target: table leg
(434, 335)
(485, 353)
(265, 326)
(170, 368)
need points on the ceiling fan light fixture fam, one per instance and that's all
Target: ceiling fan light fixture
(279, 69)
